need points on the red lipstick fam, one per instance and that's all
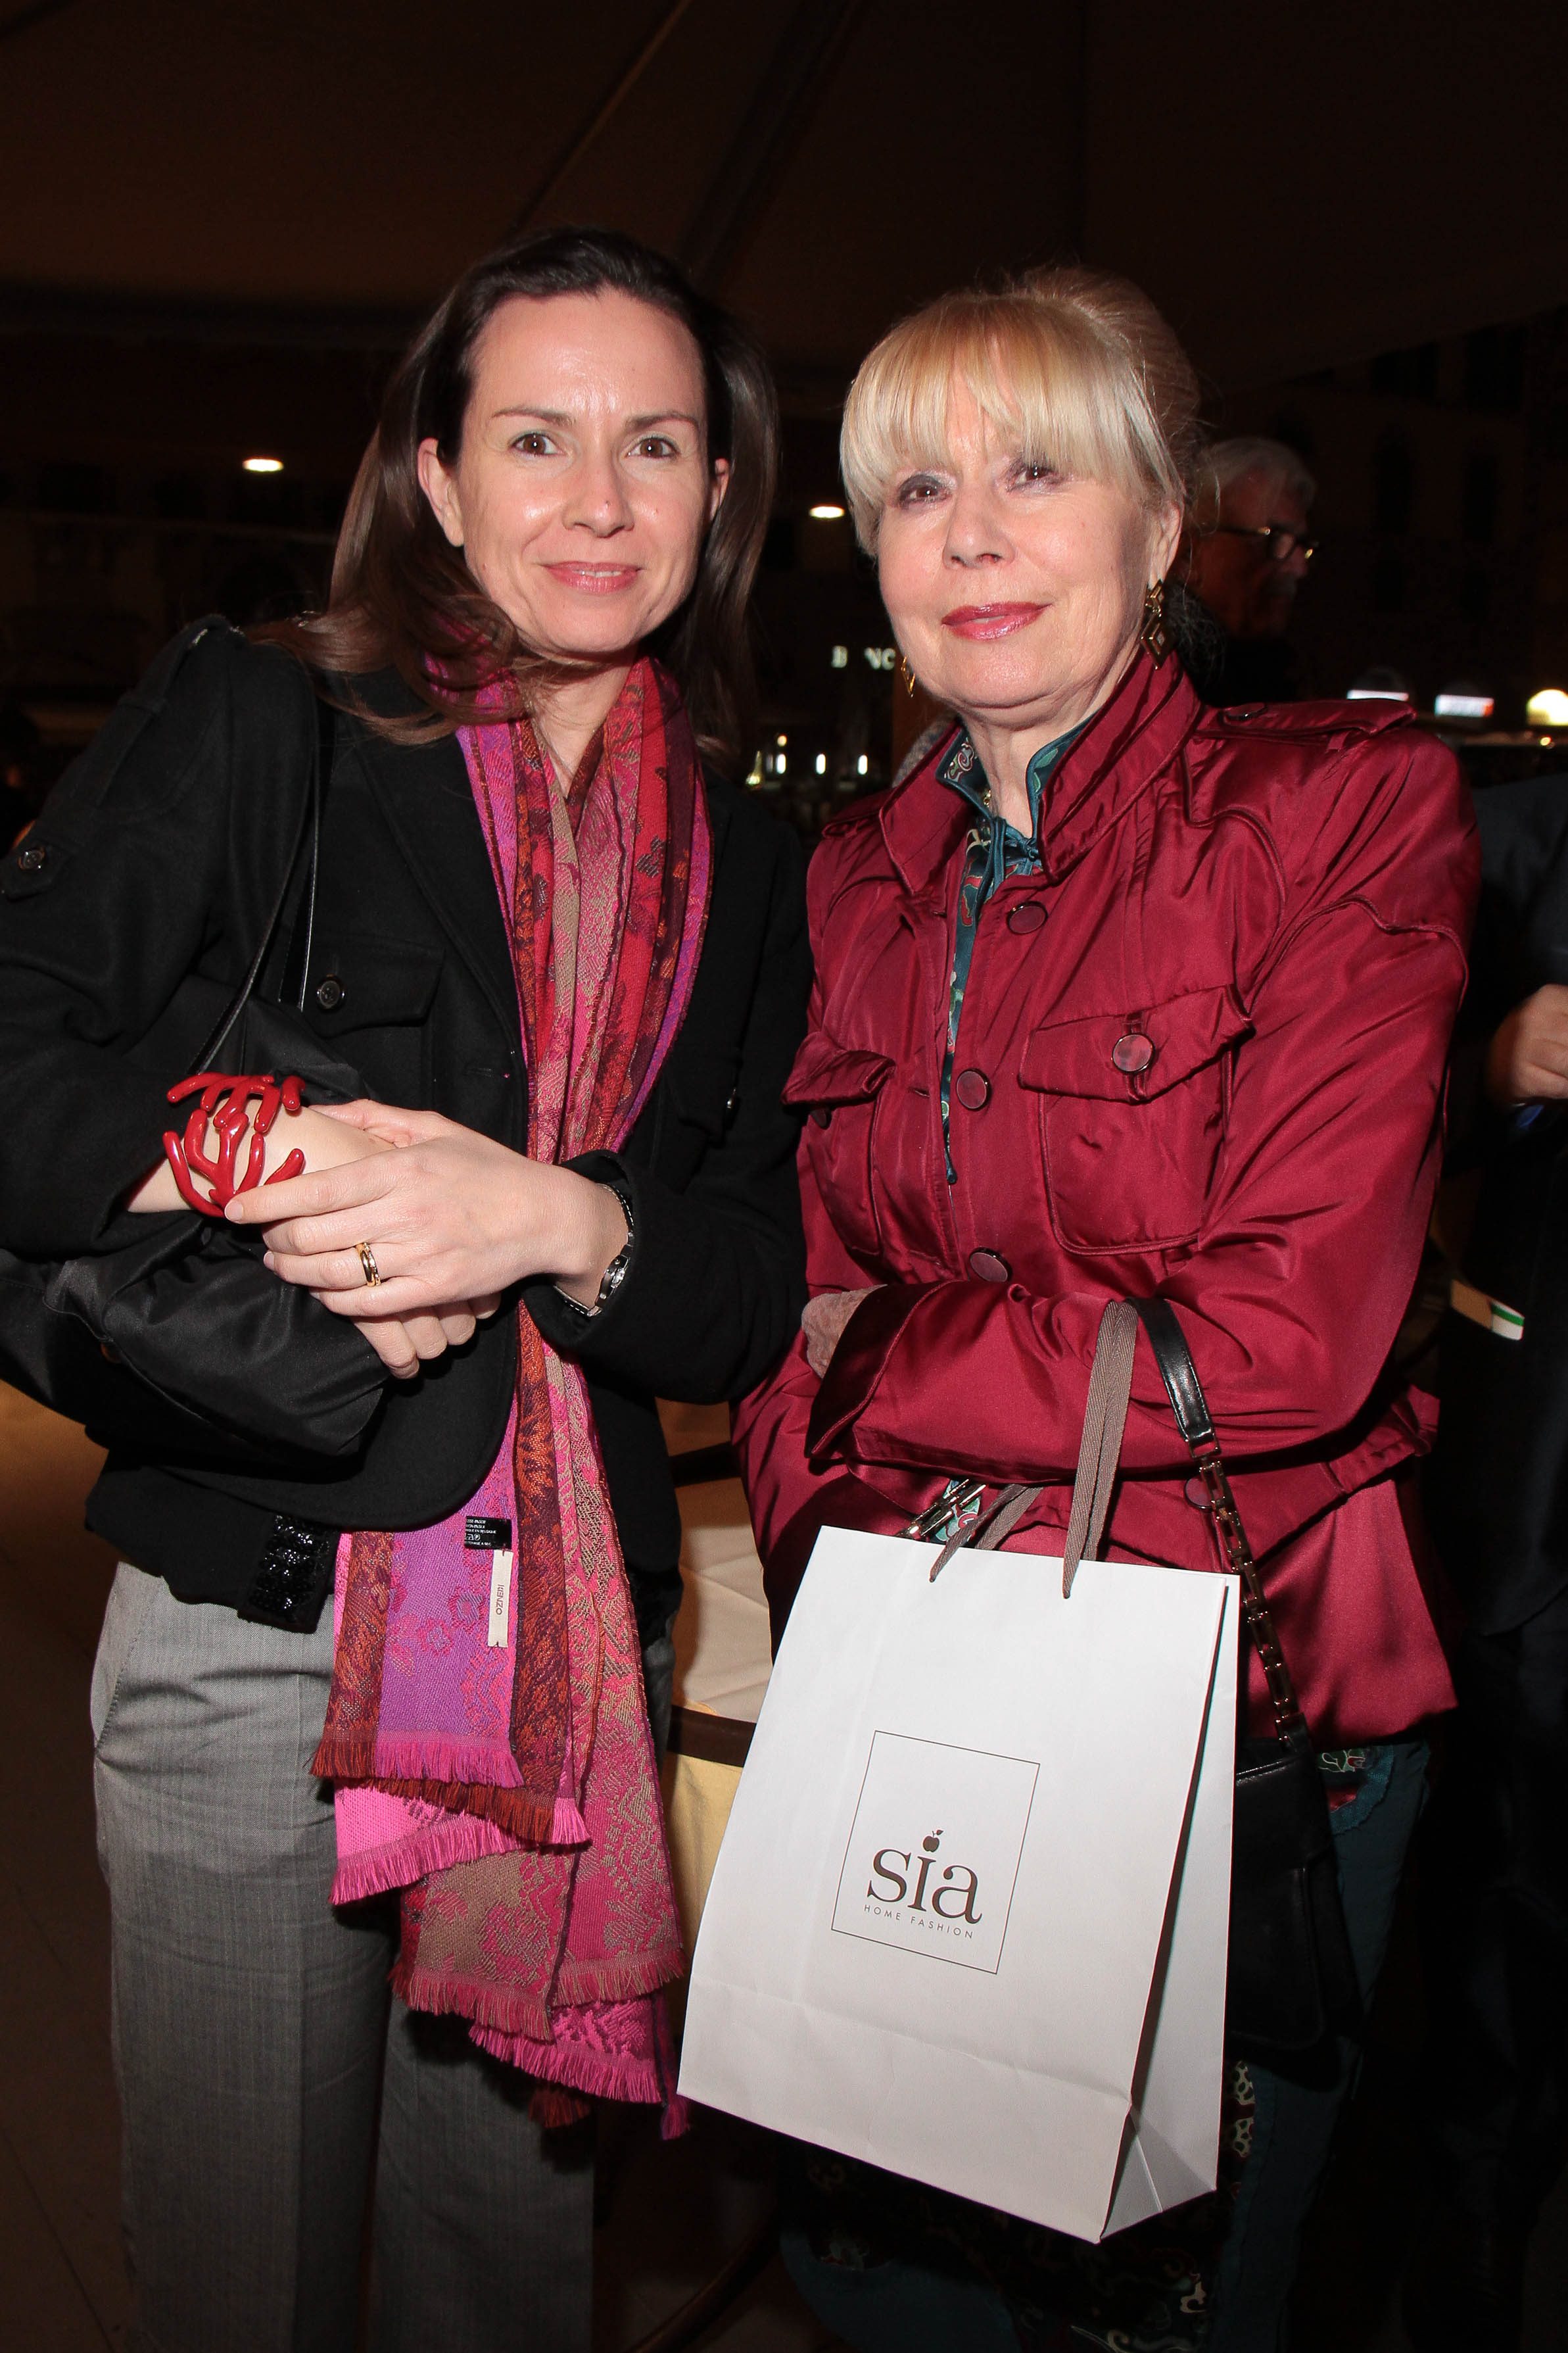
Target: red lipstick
(986, 621)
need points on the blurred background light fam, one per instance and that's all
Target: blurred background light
(263, 465)
(1379, 685)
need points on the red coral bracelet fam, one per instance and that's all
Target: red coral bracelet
(225, 1102)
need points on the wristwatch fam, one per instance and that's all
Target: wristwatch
(615, 1274)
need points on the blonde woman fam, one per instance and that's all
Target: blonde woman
(1116, 994)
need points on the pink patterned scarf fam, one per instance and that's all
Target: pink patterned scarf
(510, 1793)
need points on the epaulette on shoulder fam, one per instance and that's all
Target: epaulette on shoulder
(195, 631)
(183, 645)
(859, 813)
(1303, 721)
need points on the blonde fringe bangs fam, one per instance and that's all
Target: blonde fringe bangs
(1049, 379)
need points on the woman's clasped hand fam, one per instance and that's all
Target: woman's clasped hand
(823, 1321)
(451, 1221)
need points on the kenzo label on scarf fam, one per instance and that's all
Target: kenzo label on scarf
(934, 1852)
(494, 1537)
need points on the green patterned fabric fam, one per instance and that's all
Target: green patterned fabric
(994, 850)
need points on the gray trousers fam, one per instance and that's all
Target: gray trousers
(282, 2115)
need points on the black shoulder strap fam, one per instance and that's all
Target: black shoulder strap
(1177, 1370)
(309, 825)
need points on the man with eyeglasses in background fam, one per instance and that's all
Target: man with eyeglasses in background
(1245, 557)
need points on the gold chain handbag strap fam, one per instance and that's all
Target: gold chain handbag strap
(1194, 1421)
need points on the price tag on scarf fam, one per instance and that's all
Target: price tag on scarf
(494, 1537)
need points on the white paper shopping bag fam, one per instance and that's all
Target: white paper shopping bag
(969, 1919)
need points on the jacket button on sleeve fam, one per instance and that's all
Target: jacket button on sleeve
(1132, 1053)
(1029, 916)
(329, 993)
(28, 861)
(973, 1088)
(989, 1265)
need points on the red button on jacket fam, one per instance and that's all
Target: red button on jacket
(1132, 1053)
(1279, 910)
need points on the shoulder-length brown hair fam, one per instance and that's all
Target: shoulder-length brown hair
(404, 598)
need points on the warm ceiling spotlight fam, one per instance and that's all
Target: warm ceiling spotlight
(827, 512)
(1548, 709)
(263, 465)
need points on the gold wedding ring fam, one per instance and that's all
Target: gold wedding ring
(366, 1258)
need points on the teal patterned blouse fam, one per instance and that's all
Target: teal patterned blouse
(994, 850)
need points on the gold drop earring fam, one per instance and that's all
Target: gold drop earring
(1153, 631)
(907, 674)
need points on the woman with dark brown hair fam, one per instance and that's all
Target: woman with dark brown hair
(557, 965)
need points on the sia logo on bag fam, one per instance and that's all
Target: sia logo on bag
(934, 1852)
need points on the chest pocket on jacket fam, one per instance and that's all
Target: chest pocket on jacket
(1133, 1107)
(375, 994)
(837, 1086)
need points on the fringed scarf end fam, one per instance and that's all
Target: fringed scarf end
(341, 1758)
(594, 2074)
(530, 1820)
(421, 1850)
(567, 1826)
(500, 2014)
(552, 2109)
(578, 1984)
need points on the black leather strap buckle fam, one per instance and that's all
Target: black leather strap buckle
(293, 1576)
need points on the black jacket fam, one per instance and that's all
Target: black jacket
(1497, 1485)
(162, 852)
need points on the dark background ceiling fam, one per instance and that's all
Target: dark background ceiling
(218, 223)
(1297, 185)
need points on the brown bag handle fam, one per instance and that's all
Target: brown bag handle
(1104, 1419)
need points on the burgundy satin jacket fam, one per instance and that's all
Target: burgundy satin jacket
(1202, 1054)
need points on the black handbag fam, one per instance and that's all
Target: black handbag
(179, 1341)
(1291, 1984)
